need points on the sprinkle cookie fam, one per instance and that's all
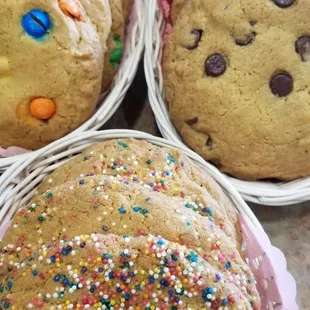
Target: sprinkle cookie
(126, 225)
(120, 272)
(159, 169)
(236, 76)
(51, 62)
(102, 205)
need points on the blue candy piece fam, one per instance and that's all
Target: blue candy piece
(36, 23)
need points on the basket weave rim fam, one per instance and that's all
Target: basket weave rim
(38, 163)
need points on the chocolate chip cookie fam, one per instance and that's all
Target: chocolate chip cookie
(236, 76)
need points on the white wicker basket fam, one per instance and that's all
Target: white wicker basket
(262, 192)
(110, 101)
(18, 183)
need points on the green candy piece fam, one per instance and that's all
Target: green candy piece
(117, 54)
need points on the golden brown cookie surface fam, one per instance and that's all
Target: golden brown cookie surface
(102, 271)
(161, 170)
(236, 80)
(115, 44)
(52, 59)
(107, 206)
(126, 217)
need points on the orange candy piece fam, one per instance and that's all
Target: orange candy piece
(70, 8)
(42, 108)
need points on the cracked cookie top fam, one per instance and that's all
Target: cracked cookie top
(236, 77)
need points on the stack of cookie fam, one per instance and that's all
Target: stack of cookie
(56, 57)
(126, 225)
(236, 76)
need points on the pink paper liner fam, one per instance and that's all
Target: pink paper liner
(12, 151)
(166, 6)
(280, 288)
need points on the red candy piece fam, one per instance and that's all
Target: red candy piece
(231, 300)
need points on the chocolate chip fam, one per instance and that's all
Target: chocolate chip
(192, 121)
(253, 22)
(281, 84)
(246, 41)
(215, 65)
(209, 142)
(283, 3)
(196, 36)
(302, 47)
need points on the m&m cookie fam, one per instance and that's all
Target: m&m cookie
(51, 64)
